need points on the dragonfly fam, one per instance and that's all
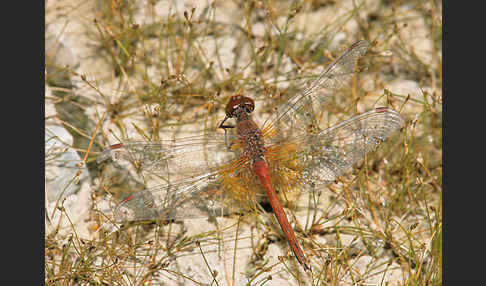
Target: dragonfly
(216, 174)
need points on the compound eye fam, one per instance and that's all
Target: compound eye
(249, 106)
(237, 102)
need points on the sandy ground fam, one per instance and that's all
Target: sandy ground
(67, 40)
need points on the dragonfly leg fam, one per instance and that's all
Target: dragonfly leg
(220, 125)
(225, 127)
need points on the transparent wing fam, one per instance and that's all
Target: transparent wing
(329, 153)
(191, 171)
(174, 160)
(304, 109)
(196, 197)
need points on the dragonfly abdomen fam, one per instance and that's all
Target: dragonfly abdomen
(261, 170)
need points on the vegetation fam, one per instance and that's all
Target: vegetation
(151, 70)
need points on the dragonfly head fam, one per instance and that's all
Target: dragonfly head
(239, 103)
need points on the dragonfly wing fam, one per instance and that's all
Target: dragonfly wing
(191, 170)
(197, 197)
(335, 150)
(305, 108)
(173, 160)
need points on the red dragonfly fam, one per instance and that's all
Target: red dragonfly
(218, 174)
